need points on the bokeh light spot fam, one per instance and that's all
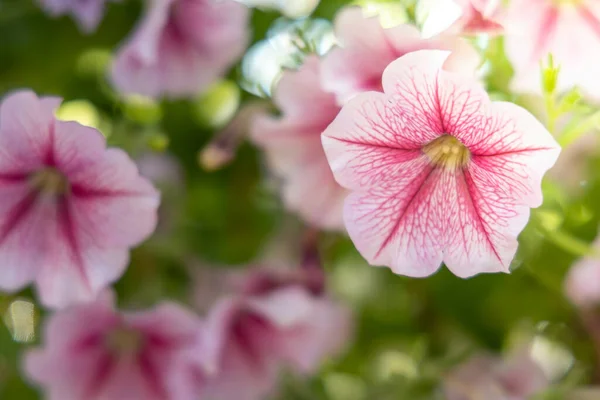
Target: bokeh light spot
(20, 320)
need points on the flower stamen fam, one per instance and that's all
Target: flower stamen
(448, 152)
(51, 181)
(124, 341)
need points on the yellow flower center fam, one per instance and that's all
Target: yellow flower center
(448, 152)
(50, 181)
(124, 341)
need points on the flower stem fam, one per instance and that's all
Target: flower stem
(572, 133)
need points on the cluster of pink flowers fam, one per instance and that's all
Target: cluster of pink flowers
(275, 320)
(437, 172)
(312, 97)
(390, 137)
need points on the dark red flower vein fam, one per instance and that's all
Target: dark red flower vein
(471, 187)
(403, 214)
(65, 222)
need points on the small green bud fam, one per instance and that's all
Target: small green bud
(550, 75)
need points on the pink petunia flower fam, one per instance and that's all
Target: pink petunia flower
(366, 49)
(293, 147)
(181, 47)
(70, 209)
(94, 352)
(488, 377)
(469, 17)
(582, 284)
(569, 30)
(88, 13)
(438, 172)
(276, 320)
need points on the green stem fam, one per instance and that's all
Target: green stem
(573, 132)
(569, 243)
(551, 111)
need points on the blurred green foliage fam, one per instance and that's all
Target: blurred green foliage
(408, 330)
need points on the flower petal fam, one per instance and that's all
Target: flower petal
(180, 47)
(401, 228)
(322, 335)
(23, 232)
(75, 270)
(284, 307)
(370, 142)
(26, 124)
(116, 206)
(482, 224)
(516, 151)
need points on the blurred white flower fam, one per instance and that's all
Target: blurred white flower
(435, 16)
(286, 45)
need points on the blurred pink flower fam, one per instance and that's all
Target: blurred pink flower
(569, 30)
(470, 17)
(276, 320)
(486, 377)
(93, 352)
(439, 173)
(88, 13)
(582, 285)
(70, 209)
(293, 146)
(181, 47)
(367, 49)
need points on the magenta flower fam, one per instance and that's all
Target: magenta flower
(181, 47)
(367, 49)
(93, 352)
(88, 13)
(566, 29)
(582, 285)
(293, 147)
(439, 173)
(487, 377)
(276, 320)
(469, 17)
(70, 208)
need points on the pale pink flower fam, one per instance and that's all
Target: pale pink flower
(491, 378)
(366, 49)
(582, 285)
(569, 30)
(469, 17)
(293, 147)
(181, 46)
(87, 13)
(70, 208)
(276, 320)
(439, 173)
(94, 352)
